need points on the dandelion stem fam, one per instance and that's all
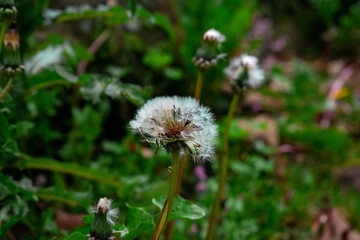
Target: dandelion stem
(223, 170)
(183, 162)
(199, 84)
(166, 210)
(6, 89)
(4, 27)
(170, 225)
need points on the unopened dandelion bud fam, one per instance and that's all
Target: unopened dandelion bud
(8, 11)
(104, 220)
(11, 62)
(244, 72)
(209, 52)
(177, 123)
(213, 36)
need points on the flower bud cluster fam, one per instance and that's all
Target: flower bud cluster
(208, 54)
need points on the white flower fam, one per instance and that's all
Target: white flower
(244, 71)
(104, 207)
(214, 36)
(177, 122)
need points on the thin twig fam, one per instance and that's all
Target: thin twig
(336, 86)
(199, 84)
(99, 41)
(6, 89)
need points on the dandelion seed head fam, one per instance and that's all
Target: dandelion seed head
(175, 122)
(244, 71)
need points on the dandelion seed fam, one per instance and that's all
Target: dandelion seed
(177, 123)
(244, 71)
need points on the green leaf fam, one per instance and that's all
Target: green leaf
(139, 221)
(69, 197)
(98, 175)
(94, 88)
(163, 21)
(14, 197)
(7, 142)
(132, 6)
(75, 236)
(136, 94)
(23, 127)
(133, 93)
(88, 218)
(157, 60)
(173, 73)
(181, 208)
(4, 127)
(52, 55)
(113, 15)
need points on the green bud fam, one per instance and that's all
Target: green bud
(100, 228)
(208, 54)
(104, 220)
(11, 62)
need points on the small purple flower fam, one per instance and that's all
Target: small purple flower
(200, 186)
(200, 172)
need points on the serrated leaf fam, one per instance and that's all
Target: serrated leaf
(181, 208)
(52, 55)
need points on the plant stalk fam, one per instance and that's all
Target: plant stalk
(4, 27)
(170, 225)
(223, 169)
(94, 47)
(166, 210)
(199, 84)
(6, 89)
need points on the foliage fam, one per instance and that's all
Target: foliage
(65, 140)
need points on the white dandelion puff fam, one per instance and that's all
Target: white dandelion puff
(244, 71)
(214, 35)
(104, 207)
(175, 123)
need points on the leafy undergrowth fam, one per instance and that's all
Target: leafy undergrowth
(65, 140)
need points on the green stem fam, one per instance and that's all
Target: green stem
(199, 84)
(6, 89)
(223, 170)
(4, 27)
(166, 210)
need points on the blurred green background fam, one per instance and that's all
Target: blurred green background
(294, 153)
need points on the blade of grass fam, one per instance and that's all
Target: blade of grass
(69, 168)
